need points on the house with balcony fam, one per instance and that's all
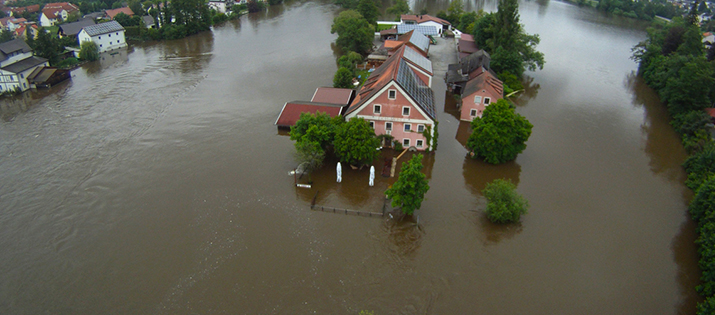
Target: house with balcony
(16, 65)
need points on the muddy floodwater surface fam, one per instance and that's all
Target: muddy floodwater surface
(154, 182)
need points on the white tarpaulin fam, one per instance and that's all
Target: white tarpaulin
(340, 172)
(372, 175)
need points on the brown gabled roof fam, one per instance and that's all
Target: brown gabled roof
(29, 9)
(423, 18)
(291, 111)
(331, 95)
(465, 46)
(711, 112)
(484, 81)
(112, 13)
(61, 5)
(396, 69)
(51, 13)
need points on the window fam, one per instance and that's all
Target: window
(12, 78)
(100, 45)
(486, 101)
(388, 126)
(372, 124)
(405, 142)
(408, 127)
(420, 143)
(117, 33)
(392, 94)
(420, 128)
(473, 113)
(22, 76)
(377, 109)
(100, 37)
(110, 35)
(405, 111)
(477, 99)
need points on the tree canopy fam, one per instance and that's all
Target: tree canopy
(89, 51)
(313, 135)
(46, 46)
(400, 7)
(502, 35)
(355, 142)
(500, 134)
(354, 32)
(410, 188)
(343, 78)
(504, 204)
(369, 10)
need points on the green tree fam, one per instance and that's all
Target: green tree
(309, 152)
(6, 36)
(354, 32)
(349, 60)
(399, 8)
(89, 51)
(504, 204)
(691, 88)
(369, 10)
(347, 4)
(355, 142)
(323, 128)
(124, 20)
(47, 46)
(700, 167)
(410, 188)
(455, 11)
(500, 134)
(136, 7)
(343, 78)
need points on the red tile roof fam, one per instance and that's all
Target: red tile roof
(423, 18)
(291, 111)
(711, 112)
(332, 95)
(485, 80)
(467, 37)
(112, 13)
(29, 8)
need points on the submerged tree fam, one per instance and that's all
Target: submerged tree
(89, 51)
(504, 204)
(410, 188)
(500, 134)
(355, 142)
(400, 7)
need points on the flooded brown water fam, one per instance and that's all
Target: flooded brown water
(155, 183)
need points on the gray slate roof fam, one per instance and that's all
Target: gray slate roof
(12, 46)
(418, 59)
(420, 40)
(419, 92)
(424, 29)
(72, 29)
(24, 64)
(103, 28)
(148, 20)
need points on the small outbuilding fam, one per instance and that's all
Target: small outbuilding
(332, 101)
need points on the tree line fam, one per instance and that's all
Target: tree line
(675, 63)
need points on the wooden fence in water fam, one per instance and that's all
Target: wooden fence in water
(315, 207)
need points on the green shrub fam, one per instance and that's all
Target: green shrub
(504, 204)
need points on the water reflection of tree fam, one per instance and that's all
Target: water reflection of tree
(194, 52)
(495, 233)
(450, 104)
(531, 89)
(686, 257)
(662, 143)
(478, 173)
(405, 236)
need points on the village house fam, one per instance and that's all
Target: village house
(58, 11)
(16, 65)
(397, 102)
(438, 24)
(414, 39)
(479, 92)
(329, 100)
(221, 5)
(22, 10)
(108, 36)
(27, 30)
(72, 29)
(468, 67)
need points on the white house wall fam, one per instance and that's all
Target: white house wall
(105, 42)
